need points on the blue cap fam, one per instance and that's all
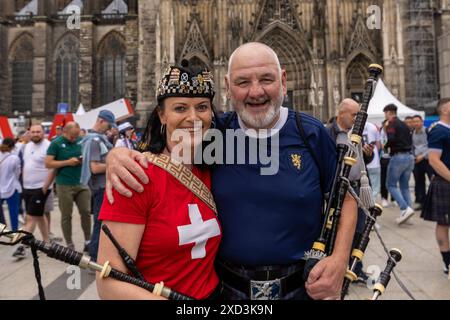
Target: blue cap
(109, 117)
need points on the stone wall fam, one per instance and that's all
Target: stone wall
(318, 43)
(146, 83)
(132, 58)
(4, 102)
(444, 63)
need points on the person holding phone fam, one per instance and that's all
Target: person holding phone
(63, 154)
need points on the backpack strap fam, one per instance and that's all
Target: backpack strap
(227, 121)
(310, 149)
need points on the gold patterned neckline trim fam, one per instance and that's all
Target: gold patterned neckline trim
(185, 176)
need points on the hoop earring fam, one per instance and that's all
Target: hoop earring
(163, 129)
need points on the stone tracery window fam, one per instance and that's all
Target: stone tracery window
(112, 55)
(195, 41)
(67, 66)
(280, 10)
(22, 74)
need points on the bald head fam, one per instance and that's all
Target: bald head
(346, 105)
(71, 125)
(71, 131)
(256, 85)
(346, 113)
(249, 51)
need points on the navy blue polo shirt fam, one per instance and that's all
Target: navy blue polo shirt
(439, 139)
(274, 219)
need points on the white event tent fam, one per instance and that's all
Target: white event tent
(383, 97)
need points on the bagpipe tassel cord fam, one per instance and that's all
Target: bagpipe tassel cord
(75, 258)
(37, 273)
(365, 191)
(325, 242)
(25, 237)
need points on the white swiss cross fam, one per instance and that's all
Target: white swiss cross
(198, 232)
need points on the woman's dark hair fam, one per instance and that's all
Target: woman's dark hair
(152, 139)
(7, 145)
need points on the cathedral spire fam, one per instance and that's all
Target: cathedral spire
(195, 44)
(360, 38)
(277, 10)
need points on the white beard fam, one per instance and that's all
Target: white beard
(260, 121)
(263, 120)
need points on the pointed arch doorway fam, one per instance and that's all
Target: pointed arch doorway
(356, 76)
(295, 59)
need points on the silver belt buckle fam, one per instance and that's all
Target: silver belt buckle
(265, 290)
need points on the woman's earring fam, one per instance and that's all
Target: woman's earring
(163, 129)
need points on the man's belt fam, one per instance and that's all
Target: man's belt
(266, 282)
(401, 152)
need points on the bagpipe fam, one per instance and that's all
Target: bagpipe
(83, 261)
(395, 255)
(346, 158)
(358, 252)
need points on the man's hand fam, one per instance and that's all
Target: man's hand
(326, 278)
(121, 166)
(419, 158)
(73, 162)
(368, 149)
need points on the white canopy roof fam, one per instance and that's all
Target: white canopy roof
(31, 7)
(80, 110)
(117, 6)
(383, 97)
(66, 10)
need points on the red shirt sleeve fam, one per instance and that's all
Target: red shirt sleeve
(133, 210)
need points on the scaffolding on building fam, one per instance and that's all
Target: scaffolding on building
(421, 75)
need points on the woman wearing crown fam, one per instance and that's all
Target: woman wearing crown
(171, 228)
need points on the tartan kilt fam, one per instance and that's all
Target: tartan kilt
(437, 202)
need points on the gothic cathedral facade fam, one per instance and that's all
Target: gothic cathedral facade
(119, 48)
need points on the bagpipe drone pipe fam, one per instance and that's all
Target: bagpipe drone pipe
(72, 257)
(83, 261)
(359, 250)
(395, 255)
(347, 157)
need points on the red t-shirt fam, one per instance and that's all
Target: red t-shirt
(181, 236)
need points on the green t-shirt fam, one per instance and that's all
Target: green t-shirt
(63, 149)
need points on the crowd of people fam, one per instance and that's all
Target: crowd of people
(32, 165)
(224, 230)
